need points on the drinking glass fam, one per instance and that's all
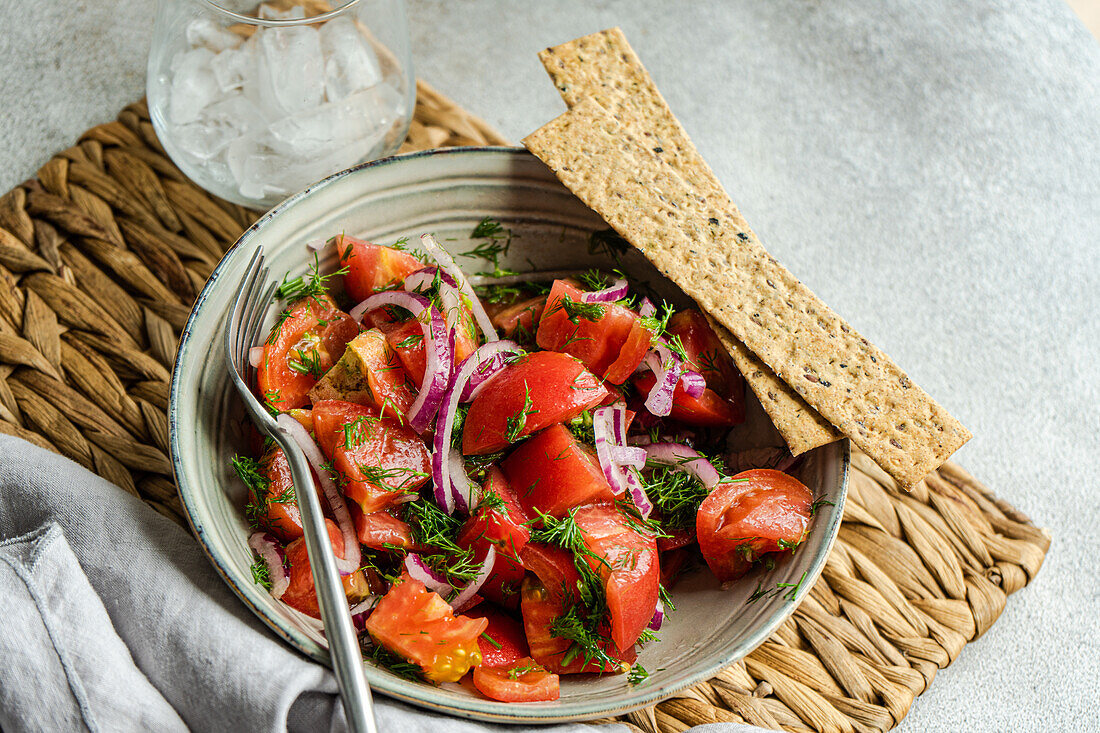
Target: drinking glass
(255, 102)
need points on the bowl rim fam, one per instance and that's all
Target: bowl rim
(473, 708)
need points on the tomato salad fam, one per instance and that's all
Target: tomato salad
(512, 474)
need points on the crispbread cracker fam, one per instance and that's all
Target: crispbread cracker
(603, 67)
(696, 242)
(800, 425)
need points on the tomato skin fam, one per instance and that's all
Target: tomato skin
(382, 531)
(301, 594)
(680, 538)
(383, 443)
(748, 516)
(707, 410)
(521, 315)
(553, 472)
(406, 338)
(706, 355)
(630, 570)
(598, 344)
(420, 626)
(525, 681)
(281, 518)
(558, 386)
(506, 529)
(510, 642)
(554, 568)
(316, 328)
(631, 353)
(540, 609)
(372, 267)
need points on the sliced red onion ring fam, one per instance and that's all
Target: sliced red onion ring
(665, 365)
(483, 372)
(628, 455)
(449, 266)
(463, 490)
(360, 612)
(256, 356)
(693, 383)
(422, 280)
(658, 616)
(617, 291)
(647, 309)
(443, 475)
(352, 553)
(467, 594)
(438, 351)
(420, 570)
(269, 553)
(609, 429)
(685, 459)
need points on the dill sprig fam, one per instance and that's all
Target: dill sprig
(261, 574)
(310, 285)
(395, 663)
(436, 533)
(497, 241)
(517, 422)
(581, 427)
(576, 310)
(789, 590)
(675, 493)
(637, 675)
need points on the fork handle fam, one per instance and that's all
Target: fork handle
(347, 659)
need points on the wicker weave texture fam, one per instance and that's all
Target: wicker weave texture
(102, 255)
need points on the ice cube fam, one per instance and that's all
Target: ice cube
(204, 32)
(193, 85)
(364, 116)
(350, 61)
(267, 174)
(218, 125)
(230, 68)
(267, 12)
(292, 68)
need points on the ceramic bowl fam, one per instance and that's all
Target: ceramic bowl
(447, 192)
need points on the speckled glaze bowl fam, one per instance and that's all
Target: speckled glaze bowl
(447, 192)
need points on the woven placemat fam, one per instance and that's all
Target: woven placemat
(101, 256)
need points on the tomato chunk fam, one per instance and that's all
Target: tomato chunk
(277, 511)
(372, 267)
(382, 531)
(536, 391)
(750, 515)
(301, 594)
(419, 626)
(406, 339)
(521, 316)
(503, 642)
(629, 569)
(553, 472)
(379, 458)
(302, 348)
(504, 527)
(524, 681)
(706, 355)
(707, 410)
(599, 343)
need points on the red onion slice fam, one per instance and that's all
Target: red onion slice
(449, 266)
(438, 351)
(466, 595)
(604, 439)
(352, 553)
(685, 459)
(617, 291)
(658, 616)
(269, 553)
(256, 356)
(647, 309)
(665, 365)
(693, 383)
(628, 455)
(443, 475)
(463, 490)
(420, 570)
(361, 611)
(609, 428)
(422, 280)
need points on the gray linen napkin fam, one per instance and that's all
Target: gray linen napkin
(111, 618)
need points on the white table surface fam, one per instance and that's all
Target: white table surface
(932, 170)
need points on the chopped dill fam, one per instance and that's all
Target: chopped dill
(312, 285)
(261, 574)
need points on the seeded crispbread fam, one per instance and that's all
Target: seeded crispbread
(602, 66)
(800, 425)
(695, 241)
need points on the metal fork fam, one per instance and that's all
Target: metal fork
(241, 328)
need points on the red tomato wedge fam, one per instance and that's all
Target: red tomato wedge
(301, 594)
(419, 626)
(380, 459)
(629, 569)
(540, 609)
(503, 642)
(526, 396)
(505, 528)
(372, 267)
(525, 681)
(599, 343)
(302, 348)
(521, 316)
(706, 355)
(707, 410)
(280, 514)
(382, 531)
(553, 472)
(750, 515)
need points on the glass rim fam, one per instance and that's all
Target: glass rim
(277, 22)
